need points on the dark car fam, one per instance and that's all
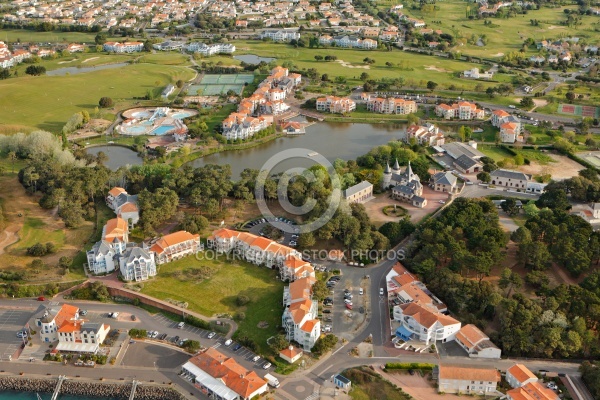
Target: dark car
(327, 311)
(163, 336)
(133, 317)
(237, 347)
(175, 339)
(411, 371)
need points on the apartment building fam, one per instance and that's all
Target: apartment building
(463, 111)
(424, 323)
(510, 179)
(333, 104)
(425, 135)
(281, 35)
(391, 105)
(476, 381)
(211, 49)
(175, 246)
(137, 264)
(125, 47)
(299, 318)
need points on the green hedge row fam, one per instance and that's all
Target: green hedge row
(421, 366)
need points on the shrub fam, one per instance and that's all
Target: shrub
(105, 102)
(242, 300)
(406, 366)
(37, 250)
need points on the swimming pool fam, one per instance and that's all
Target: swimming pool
(142, 114)
(161, 130)
(181, 114)
(134, 130)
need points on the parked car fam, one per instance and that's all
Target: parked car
(267, 365)
(442, 202)
(381, 291)
(154, 334)
(180, 325)
(552, 385)
(211, 335)
(115, 315)
(163, 336)
(327, 311)
(361, 291)
(175, 339)
(182, 341)
(255, 358)
(348, 301)
(349, 306)
(83, 312)
(21, 334)
(133, 317)
(228, 342)
(237, 347)
(348, 296)
(41, 298)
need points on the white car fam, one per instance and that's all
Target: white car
(348, 301)
(21, 334)
(442, 202)
(115, 315)
(552, 385)
(211, 335)
(228, 342)
(381, 291)
(154, 334)
(255, 358)
(327, 328)
(361, 291)
(267, 365)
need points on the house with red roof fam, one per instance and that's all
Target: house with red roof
(299, 318)
(220, 377)
(174, 246)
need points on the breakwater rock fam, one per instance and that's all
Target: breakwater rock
(87, 388)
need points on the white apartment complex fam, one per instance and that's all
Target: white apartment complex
(475, 381)
(333, 104)
(125, 47)
(463, 111)
(211, 49)
(174, 246)
(425, 135)
(281, 35)
(391, 105)
(300, 315)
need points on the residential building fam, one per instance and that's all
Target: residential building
(342, 382)
(454, 379)
(221, 377)
(443, 182)
(425, 135)
(168, 45)
(137, 264)
(474, 73)
(348, 42)
(75, 48)
(536, 187)
(101, 257)
(406, 186)
(125, 47)
(359, 193)
(462, 110)
(476, 343)
(335, 104)
(531, 391)
(210, 49)
(406, 288)
(510, 126)
(424, 323)
(391, 105)
(175, 246)
(291, 354)
(457, 149)
(519, 375)
(281, 35)
(293, 128)
(299, 317)
(116, 230)
(526, 386)
(295, 268)
(124, 205)
(74, 334)
(510, 179)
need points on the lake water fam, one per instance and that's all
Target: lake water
(44, 396)
(332, 140)
(117, 157)
(81, 70)
(253, 59)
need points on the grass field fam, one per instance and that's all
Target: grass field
(27, 224)
(411, 66)
(22, 35)
(503, 35)
(47, 102)
(367, 385)
(218, 293)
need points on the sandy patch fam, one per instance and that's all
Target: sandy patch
(563, 168)
(348, 65)
(434, 68)
(70, 61)
(498, 55)
(551, 27)
(89, 59)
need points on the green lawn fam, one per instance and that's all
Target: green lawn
(22, 35)
(495, 152)
(504, 35)
(413, 67)
(34, 231)
(47, 102)
(218, 293)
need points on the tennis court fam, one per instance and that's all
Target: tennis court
(217, 84)
(593, 159)
(580, 111)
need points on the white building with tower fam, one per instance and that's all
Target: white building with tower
(406, 186)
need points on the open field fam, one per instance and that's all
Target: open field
(23, 35)
(47, 102)
(217, 293)
(504, 35)
(28, 224)
(413, 66)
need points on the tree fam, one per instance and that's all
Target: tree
(364, 77)
(242, 300)
(306, 240)
(484, 177)
(320, 290)
(412, 119)
(35, 70)
(570, 96)
(278, 343)
(509, 280)
(191, 346)
(431, 85)
(527, 102)
(325, 77)
(319, 58)
(105, 102)
(179, 83)
(100, 38)
(509, 206)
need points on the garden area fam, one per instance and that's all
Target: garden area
(251, 294)
(394, 211)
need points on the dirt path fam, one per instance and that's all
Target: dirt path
(8, 237)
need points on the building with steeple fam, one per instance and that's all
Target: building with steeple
(406, 186)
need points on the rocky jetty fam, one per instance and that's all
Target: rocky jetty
(86, 388)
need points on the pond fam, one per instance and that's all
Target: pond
(81, 70)
(118, 156)
(253, 59)
(346, 141)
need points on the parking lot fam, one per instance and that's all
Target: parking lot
(286, 227)
(11, 321)
(242, 355)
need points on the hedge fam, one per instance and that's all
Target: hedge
(421, 366)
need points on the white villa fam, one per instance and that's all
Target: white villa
(137, 264)
(475, 73)
(211, 49)
(299, 318)
(126, 47)
(510, 126)
(476, 343)
(115, 236)
(334, 104)
(124, 205)
(281, 35)
(424, 323)
(425, 135)
(174, 246)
